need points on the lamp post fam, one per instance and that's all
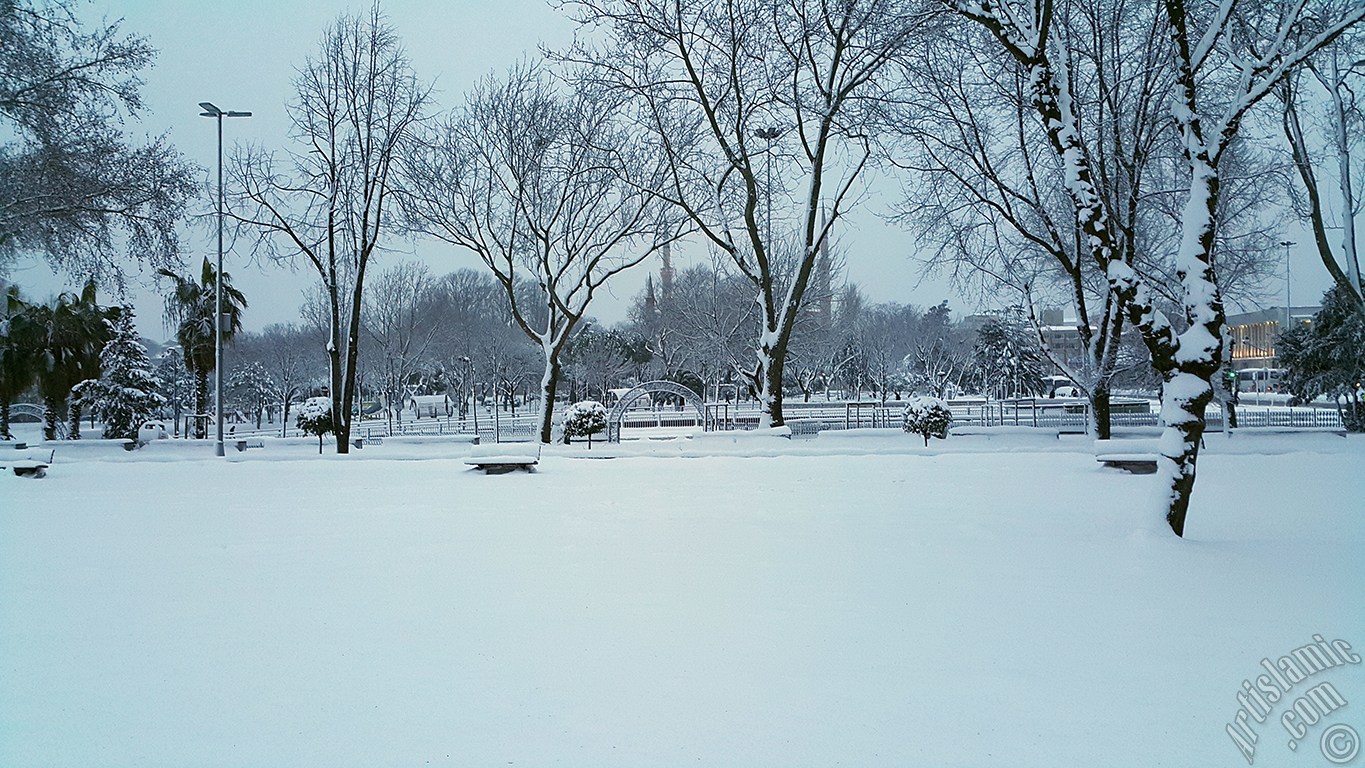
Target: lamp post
(769, 135)
(473, 404)
(1288, 305)
(211, 111)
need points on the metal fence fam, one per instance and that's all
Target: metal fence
(809, 418)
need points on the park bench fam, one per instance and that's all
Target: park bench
(1137, 457)
(360, 442)
(1338, 431)
(27, 463)
(500, 458)
(242, 445)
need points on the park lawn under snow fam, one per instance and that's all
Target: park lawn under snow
(949, 609)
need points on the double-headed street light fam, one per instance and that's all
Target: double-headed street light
(211, 111)
(769, 134)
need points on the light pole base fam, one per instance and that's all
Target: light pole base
(218, 449)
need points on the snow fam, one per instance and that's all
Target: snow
(315, 408)
(957, 606)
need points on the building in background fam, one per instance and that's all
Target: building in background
(1252, 336)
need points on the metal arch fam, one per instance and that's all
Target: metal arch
(618, 411)
(37, 412)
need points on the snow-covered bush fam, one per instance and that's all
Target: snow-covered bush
(927, 417)
(315, 418)
(584, 419)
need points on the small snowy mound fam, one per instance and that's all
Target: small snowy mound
(927, 417)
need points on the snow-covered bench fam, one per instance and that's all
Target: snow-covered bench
(243, 444)
(1338, 431)
(499, 458)
(26, 463)
(1138, 456)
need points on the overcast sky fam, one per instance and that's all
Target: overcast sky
(242, 55)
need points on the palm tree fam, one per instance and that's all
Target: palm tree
(190, 305)
(20, 342)
(73, 330)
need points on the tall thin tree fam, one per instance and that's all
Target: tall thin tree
(328, 202)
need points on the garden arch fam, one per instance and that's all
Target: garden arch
(618, 411)
(37, 413)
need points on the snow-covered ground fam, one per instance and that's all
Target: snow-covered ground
(856, 600)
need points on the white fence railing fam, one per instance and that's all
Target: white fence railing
(809, 418)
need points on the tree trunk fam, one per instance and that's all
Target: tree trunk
(342, 420)
(74, 418)
(335, 377)
(4, 421)
(201, 399)
(50, 418)
(1191, 366)
(549, 382)
(1183, 399)
(768, 385)
(1099, 407)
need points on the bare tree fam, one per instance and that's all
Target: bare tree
(1225, 65)
(289, 355)
(1330, 140)
(328, 202)
(886, 338)
(994, 195)
(543, 184)
(474, 308)
(732, 89)
(712, 309)
(1219, 74)
(402, 315)
(994, 200)
(599, 358)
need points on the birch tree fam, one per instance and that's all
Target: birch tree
(749, 99)
(542, 183)
(328, 201)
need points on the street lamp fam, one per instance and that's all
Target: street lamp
(769, 135)
(1288, 305)
(211, 111)
(473, 405)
